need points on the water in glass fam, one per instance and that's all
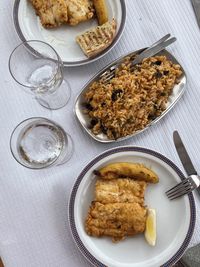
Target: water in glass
(41, 144)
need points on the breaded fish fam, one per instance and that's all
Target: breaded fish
(52, 13)
(120, 190)
(116, 220)
(79, 10)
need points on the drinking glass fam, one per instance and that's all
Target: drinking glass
(38, 68)
(38, 143)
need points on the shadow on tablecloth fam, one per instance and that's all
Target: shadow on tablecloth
(191, 258)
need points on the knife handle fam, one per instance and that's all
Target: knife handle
(198, 190)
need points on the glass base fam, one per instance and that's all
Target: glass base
(57, 99)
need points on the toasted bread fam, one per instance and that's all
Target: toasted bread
(97, 39)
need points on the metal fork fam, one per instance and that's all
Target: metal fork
(184, 187)
(149, 52)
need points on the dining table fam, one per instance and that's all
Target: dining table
(34, 227)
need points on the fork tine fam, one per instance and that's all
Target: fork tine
(181, 194)
(184, 187)
(179, 190)
(184, 182)
(107, 77)
(108, 74)
(107, 80)
(179, 187)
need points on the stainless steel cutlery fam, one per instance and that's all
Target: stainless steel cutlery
(193, 181)
(184, 187)
(146, 53)
(196, 6)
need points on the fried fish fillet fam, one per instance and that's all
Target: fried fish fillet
(52, 13)
(117, 220)
(79, 10)
(120, 190)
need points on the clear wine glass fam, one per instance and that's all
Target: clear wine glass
(38, 143)
(38, 68)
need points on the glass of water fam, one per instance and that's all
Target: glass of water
(38, 68)
(38, 143)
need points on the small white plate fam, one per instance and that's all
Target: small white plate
(175, 219)
(28, 27)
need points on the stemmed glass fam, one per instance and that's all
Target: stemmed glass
(38, 68)
(37, 143)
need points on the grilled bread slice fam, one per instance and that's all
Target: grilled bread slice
(97, 39)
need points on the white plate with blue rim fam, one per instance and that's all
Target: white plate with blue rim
(28, 27)
(175, 219)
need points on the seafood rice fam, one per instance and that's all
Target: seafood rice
(132, 99)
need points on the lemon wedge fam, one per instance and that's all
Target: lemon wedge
(150, 231)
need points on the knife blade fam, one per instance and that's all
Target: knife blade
(183, 155)
(196, 6)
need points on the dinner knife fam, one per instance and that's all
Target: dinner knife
(196, 6)
(151, 51)
(184, 157)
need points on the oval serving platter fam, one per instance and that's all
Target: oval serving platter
(28, 27)
(84, 119)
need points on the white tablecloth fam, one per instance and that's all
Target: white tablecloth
(34, 230)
